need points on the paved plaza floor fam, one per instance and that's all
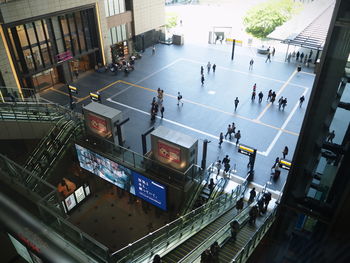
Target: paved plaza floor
(207, 109)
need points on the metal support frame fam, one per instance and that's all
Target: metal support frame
(144, 142)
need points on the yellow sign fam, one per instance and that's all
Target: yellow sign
(246, 149)
(285, 163)
(94, 95)
(238, 42)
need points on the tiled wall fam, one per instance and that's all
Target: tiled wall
(148, 15)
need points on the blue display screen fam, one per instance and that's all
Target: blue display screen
(122, 177)
(150, 190)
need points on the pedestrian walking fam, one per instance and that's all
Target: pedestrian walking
(280, 102)
(229, 131)
(218, 166)
(238, 136)
(289, 57)
(331, 136)
(253, 214)
(162, 111)
(260, 95)
(226, 160)
(214, 250)
(236, 103)
(208, 66)
(214, 68)
(310, 54)
(268, 58)
(233, 127)
(251, 63)
(202, 79)
(301, 57)
(202, 70)
(277, 163)
(269, 95)
(153, 49)
(260, 204)
(252, 195)
(301, 100)
(254, 87)
(273, 51)
(221, 139)
(297, 56)
(179, 99)
(234, 226)
(273, 97)
(227, 167)
(284, 103)
(285, 152)
(253, 95)
(240, 204)
(267, 199)
(305, 59)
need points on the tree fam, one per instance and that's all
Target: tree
(171, 20)
(262, 19)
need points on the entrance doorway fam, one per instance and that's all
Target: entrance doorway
(46, 79)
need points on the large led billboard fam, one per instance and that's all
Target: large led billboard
(122, 177)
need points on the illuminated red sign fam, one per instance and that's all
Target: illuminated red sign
(64, 56)
(169, 152)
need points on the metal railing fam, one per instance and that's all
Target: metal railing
(176, 232)
(140, 162)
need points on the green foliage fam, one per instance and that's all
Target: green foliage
(262, 19)
(171, 20)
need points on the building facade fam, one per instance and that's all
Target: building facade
(45, 44)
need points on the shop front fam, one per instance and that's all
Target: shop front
(51, 50)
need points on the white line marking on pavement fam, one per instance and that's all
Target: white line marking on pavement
(245, 73)
(278, 93)
(147, 77)
(272, 144)
(176, 123)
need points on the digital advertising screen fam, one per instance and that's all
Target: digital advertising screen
(122, 177)
(79, 194)
(106, 169)
(70, 202)
(98, 125)
(150, 191)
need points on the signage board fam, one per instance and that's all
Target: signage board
(64, 56)
(122, 177)
(285, 164)
(246, 150)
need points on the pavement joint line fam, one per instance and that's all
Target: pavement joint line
(265, 153)
(278, 93)
(101, 89)
(212, 108)
(272, 144)
(62, 92)
(147, 77)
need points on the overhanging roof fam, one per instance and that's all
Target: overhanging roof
(308, 29)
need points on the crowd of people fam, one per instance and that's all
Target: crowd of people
(157, 105)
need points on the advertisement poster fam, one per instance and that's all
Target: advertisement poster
(79, 194)
(70, 202)
(169, 152)
(98, 124)
(150, 190)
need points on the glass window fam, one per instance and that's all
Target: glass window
(36, 56)
(111, 7)
(73, 33)
(114, 35)
(106, 8)
(80, 30)
(110, 36)
(124, 32)
(116, 7)
(39, 31)
(121, 6)
(119, 34)
(22, 36)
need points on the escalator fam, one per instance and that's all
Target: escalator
(231, 248)
(181, 251)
